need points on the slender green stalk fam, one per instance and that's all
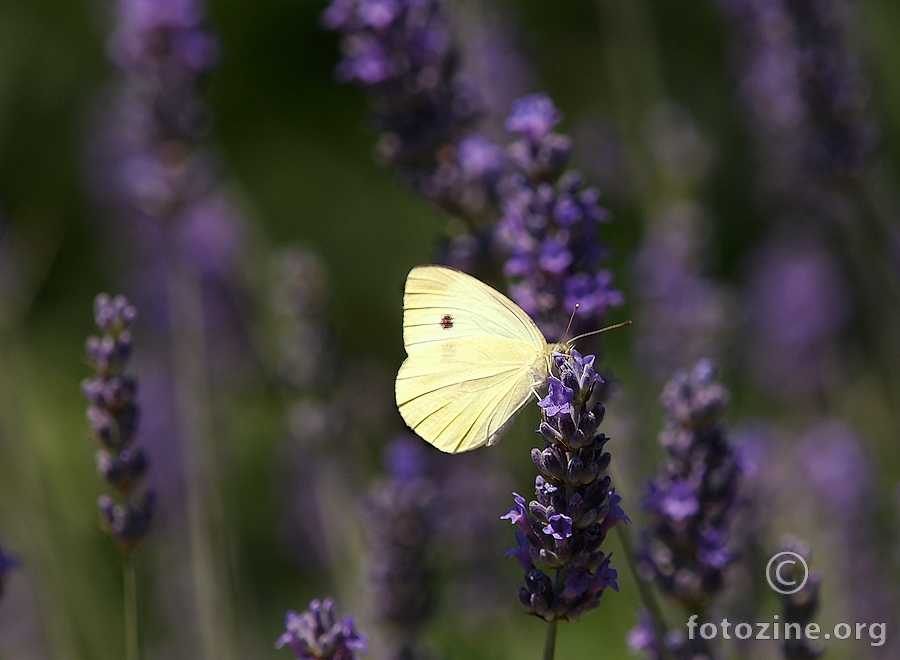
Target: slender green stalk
(132, 648)
(550, 643)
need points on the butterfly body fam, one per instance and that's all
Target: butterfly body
(474, 359)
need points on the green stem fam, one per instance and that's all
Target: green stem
(550, 643)
(132, 648)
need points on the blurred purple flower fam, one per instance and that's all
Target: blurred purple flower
(318, 634)
(643, 637)
(402, 52)
(694, 498)
(533, 117)
(672, 645)
(491, 52)
(678, 502)
(798, 303)
(149, 165)
(114, 416)
(400, 527)
(683, 314)
(473, 487)
(832, 456)
(805, 98)
(307, 356)
(464, 179)
(149, 145)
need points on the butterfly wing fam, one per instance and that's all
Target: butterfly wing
(474, 357)
(462, 394)
(442, 303)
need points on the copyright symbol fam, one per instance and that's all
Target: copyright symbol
(781, 572)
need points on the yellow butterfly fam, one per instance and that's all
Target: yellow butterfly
(474, 358)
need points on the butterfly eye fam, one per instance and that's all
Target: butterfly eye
(447, 322)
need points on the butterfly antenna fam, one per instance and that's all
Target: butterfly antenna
(571, 319)
(597, 332)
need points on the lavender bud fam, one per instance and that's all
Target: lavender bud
(318, 634)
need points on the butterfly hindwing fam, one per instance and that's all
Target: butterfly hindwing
(461, 394)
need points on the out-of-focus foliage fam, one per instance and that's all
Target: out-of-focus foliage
(652, 96)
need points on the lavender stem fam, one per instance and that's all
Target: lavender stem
(550, 643)
(132, 647)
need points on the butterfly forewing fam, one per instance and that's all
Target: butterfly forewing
(441, 303)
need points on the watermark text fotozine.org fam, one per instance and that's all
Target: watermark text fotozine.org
(874, 632)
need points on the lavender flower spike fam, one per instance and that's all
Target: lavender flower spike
(114, 415)
(400, 516)
(402, 53)
(318, 634)
(550, 229)
(564, 528)
(694, 497)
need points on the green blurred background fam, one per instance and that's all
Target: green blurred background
(297, 152)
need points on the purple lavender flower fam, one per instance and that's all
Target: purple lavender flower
(805, 98)
(7, 565)
(114, 417)
(693, 499)
(564, 528)
(534, 118)
(149, 148)
(550, 229)
(150, 166)
(673, 645)
(400, 521)
(401, 51)
(804, 95)
(464, 180)
(318, 634)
